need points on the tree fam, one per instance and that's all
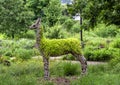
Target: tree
(78, 7)
(110, 12)
(48, 10)
(95, 11)
(14, 17)
(53, 12)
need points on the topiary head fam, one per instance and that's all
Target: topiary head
(36, 24)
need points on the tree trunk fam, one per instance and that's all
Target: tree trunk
(46, 68)
(81, 30)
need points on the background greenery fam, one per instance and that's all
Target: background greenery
(101, 37)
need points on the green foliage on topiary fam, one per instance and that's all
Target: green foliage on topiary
(56, 47)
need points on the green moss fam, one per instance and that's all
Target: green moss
(57, 47)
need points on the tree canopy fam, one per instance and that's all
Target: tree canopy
(48, 10)
(14, 17)
(95, 11)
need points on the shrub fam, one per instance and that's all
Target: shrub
(30, 34)
(103, 54)
(116, 43)
(76, 28)
(25, 43)
(8, 47)
(106, 31)
(55, 32)
(23, 53)
(68, 24)
(63, 19)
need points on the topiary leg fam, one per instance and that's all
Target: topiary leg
(46, 68)
(83, 62)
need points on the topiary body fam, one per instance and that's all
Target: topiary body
(57, 47)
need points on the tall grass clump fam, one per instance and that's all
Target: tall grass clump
(21, 73)
(23, 54)
(70, 69)
(65, 69)
(26, 68)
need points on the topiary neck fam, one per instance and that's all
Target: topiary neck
(39, 36)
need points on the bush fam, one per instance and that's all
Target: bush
(55, 32)
(63, 19)
(106, 31)
(76, 28)
(30, 34)
(116, 43)
(25, 43)
(8, 47)
(23, 53)
(68, 24)
(103, 54)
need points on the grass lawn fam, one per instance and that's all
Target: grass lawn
(62, 73)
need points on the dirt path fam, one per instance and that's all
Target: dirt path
(60, 58)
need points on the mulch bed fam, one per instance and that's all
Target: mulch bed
(63, 80)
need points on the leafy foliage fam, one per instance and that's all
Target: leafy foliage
(55, 32)
(58, 47)
(106, 31)
(14, 17)
(48, 10)
(96, 11)
(22, 48)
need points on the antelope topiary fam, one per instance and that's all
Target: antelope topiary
(57, 47)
